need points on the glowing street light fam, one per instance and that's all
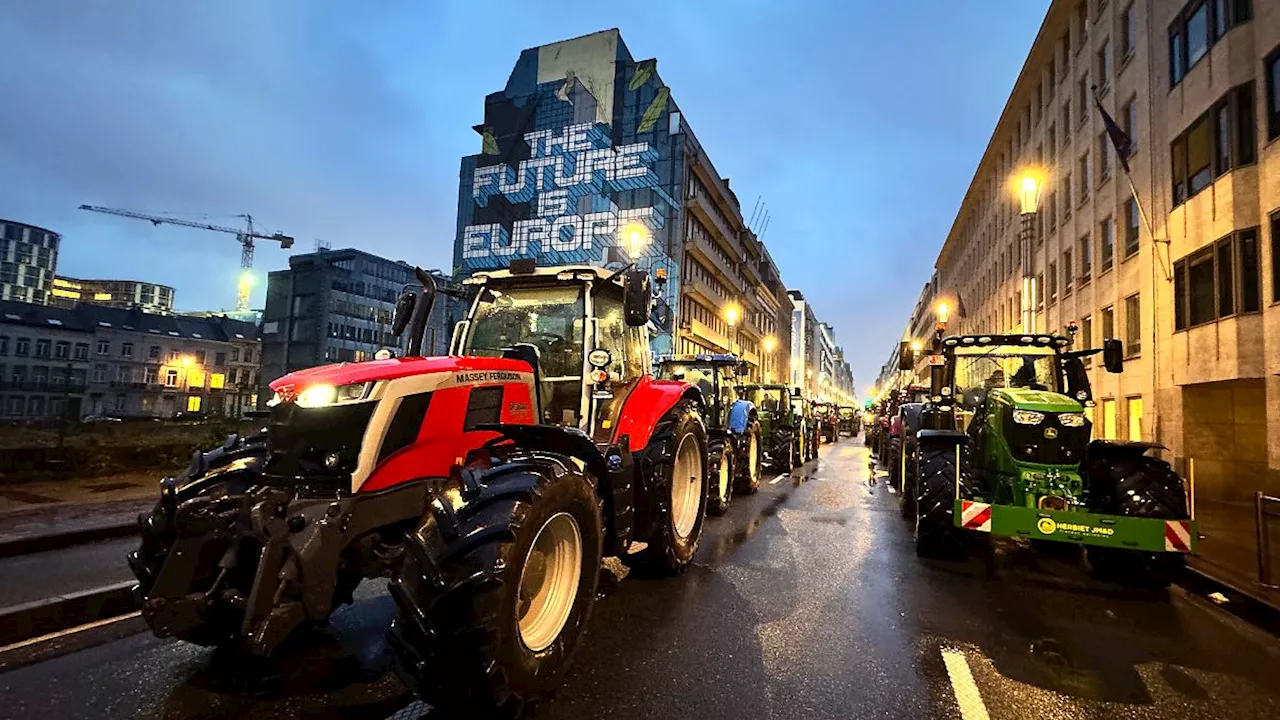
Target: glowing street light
(916, 347)
(770, 343)
(731, 315)
(943, 311)
(1029, 188)
(634, 237)
(186, 360)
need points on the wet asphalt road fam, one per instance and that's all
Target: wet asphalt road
(25, 578)
(806, 601)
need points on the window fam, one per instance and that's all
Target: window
(1108, 419)
(1108, 323)
(104, 347)
(1082, 98)
(1053, 283)
(1066, 120)
(1134, 411)
(82, 351)
(1131, 232)
(1221, 139)
(1129, 116)
(171, 378)
(1128, 30)
(4, 344)
(153, 352)
(1106, 236)
(1275, 257)
(1068, 274)
(1102, 64)
(1272, 65)
(1197, 28)
(1086, 332)
(1082, 21)
(126, 349)
(1086, 260)
(62, 350)
(220, 359)
(149, 375)
(1177, 61)
(1082, 169)
(1104, 158)
(1053, 142)
(193, 403)
(1217, 281)
(99, 373)
(42, 348)
(1133, 324)
(122, 374)
(1038, 290)
(1066, 197)
(235, 354)
(1197, 34)
(217, 381)
(195, 378)
(22, 346)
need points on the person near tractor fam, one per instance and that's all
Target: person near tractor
(1025, 377)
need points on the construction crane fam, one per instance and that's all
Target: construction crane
(246, 237)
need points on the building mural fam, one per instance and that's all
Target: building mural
(580, 162)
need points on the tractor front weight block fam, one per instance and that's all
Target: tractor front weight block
(1151, 535)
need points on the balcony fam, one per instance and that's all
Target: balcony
(703, 208)
(701, 245)
(42, 386)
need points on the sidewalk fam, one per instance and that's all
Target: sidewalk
(1229, 548)
(60, 506)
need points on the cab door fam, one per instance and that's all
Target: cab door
(628, 349)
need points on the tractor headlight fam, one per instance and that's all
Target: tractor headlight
(1028, 417)
(325, 395)
(1071, 419)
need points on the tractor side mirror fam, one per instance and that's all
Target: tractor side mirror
(1077, 379)
(403, 312)
(1113, 355)
(906, 358)
(637, 296)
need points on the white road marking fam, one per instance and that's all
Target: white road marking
(779, 479)
(69, 631)
(966, 690)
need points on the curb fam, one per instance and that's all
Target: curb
(1239, 602)
(57, 541)
(41, 617)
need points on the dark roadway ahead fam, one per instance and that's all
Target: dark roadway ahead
(806, 601)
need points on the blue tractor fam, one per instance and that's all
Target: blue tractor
(733, 425)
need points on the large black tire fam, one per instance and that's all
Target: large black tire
(784, 450)
(908, 490)
(936, 535)
(895, 463)
(723, 471)
(457, 637)
(224, 471)
(1137, 486)
(669, 549)
(748, 478)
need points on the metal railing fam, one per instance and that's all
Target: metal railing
(1262, 504)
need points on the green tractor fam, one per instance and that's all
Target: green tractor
(782, 426)
(1004, 449)
(850, 420)
(803, 409)
(828, 422)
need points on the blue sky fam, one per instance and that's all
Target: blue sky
(860, 123)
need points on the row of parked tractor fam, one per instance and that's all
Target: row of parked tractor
(486, 486)
(1000, 443)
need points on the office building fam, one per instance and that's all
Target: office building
(585, 157)
(124, 294)
(28, 259)
(1196, 296)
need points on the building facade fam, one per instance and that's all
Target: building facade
(28, 259)
(125, 294)
(585, 157)
(818, 365)
(93, 360)
(1195, 296)
(337, 306)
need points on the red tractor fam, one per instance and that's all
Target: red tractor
(487, 485)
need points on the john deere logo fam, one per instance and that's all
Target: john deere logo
(1051, 433)
(1047, 526)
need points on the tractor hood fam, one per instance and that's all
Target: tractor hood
(362, 372)
(1038, 400)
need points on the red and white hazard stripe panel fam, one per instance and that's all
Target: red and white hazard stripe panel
(975, 516)
(1177, 536)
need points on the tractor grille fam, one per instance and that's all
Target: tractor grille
(1028, 443)
(299, 440)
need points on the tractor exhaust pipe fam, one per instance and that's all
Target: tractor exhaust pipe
(414, 310)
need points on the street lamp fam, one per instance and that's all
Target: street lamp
(731, 315)
(1029, 188)
(916, 347)
(770, 342)
(634, 237)
(943, 312)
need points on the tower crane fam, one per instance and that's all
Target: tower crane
(246, 236)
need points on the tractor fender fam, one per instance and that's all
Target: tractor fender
(557, 439)
(941, 437)
(645, 406)
(740, 416)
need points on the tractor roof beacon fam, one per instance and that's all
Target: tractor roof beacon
(487, 485)
(1003, 447)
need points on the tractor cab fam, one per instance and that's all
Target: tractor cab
(771, 400)
(583, 329)
(715, 375)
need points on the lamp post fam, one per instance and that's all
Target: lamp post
(731, 317)
(1029, 188)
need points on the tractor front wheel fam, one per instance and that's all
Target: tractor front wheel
(749, 475)
(936, 479)
(494, 594)
(1139, 486)
(723, 473)
(676, 459)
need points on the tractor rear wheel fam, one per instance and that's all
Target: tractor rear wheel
(722, 470)
(1139, 487)
(907, 488)
(936, 478)
(895, 463)
(749, 476)
(676, 462)
(494, 595)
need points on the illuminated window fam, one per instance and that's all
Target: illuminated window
(195, 378)
(1109, 419)
(193, 403)
(1135, 419)
(216, 381)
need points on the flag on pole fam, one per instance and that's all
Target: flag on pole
(1119, 138)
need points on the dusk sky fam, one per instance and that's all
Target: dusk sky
(860, 124)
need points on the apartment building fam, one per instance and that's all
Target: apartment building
(126, 294)
(1196, 296)
(585, 158)
(28, 259)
